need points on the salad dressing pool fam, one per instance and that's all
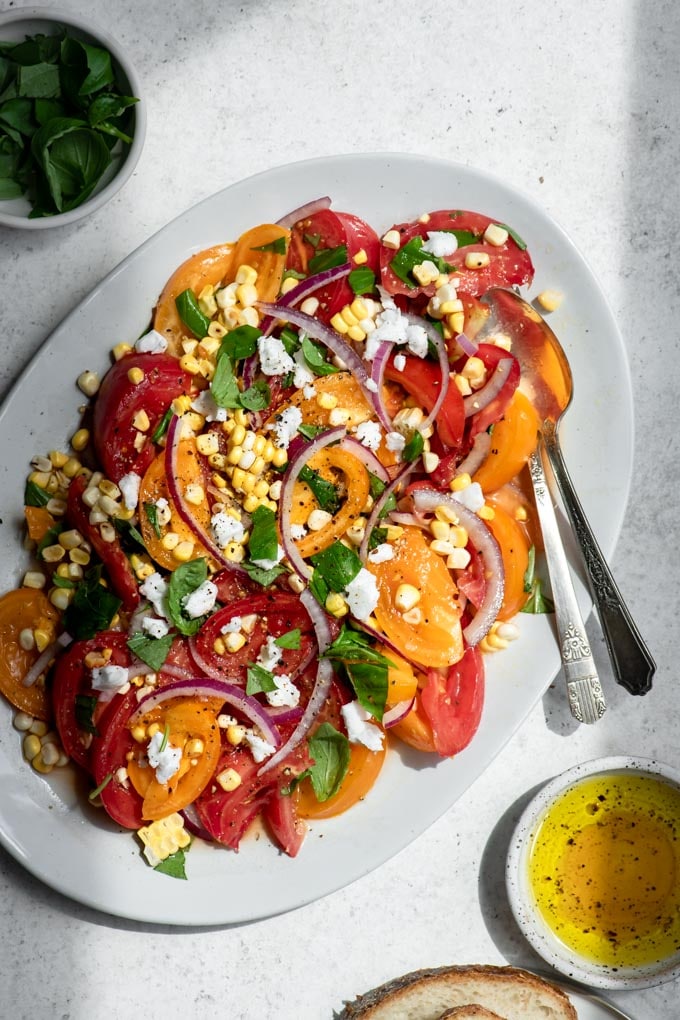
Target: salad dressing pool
(604, 867)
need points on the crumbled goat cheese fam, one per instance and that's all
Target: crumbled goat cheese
(155, 589)
(260, 748)
(152, 342)
(297, 531)
(395, 442)
(362, 595)
(274, 359)
(381, 553)
(359, 729)
(399, 362)
(416, 339)
(154, 627)
(129, 487)
(268, 564)
(205, 404)
(286, 694)
(285, 426)
(233, 626)
(109, 678)
(165, 762)
(369, 434)
(226, 529)
(440, 243)
(200, 601)
(472, 497)
(270, 655)
(302, 377)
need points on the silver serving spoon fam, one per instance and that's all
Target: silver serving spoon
(547, 381)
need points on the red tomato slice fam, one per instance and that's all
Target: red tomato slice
(109, 754)
(119, 400)
(422, 380)
(281, 817)
(277, 613)
(509, 265)
(491, 355)
(453, 702)
(330, 230)
(123, 580)
(72, 681)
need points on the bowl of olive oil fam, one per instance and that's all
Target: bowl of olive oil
(593, 872)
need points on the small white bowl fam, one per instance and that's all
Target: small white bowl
(522, 900)
(15, 25)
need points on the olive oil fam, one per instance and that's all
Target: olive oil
(604, 867)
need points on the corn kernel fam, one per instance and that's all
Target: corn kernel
(461, 384)
(27, 639)
(496, 235)
(169, 541)
(135, 375)
(31, 746)
(440, 529)
(188, 363)
(456, 322)
(550, 300)
(393, 532)
(521, 514)
(246, 274)
(79, 556)
(356, 333)
(460, 482)
(215, 331)
(61, 598)
(348, 316)
(310, 306)
(476, 260)
(22, 721)
(318, 519)
(425, 272)
(336, 605)
(141, 422)
(34, 579)
(229, 780)
(194, 494)
(430, 461)
(120, 350)
(487, 513)
(40, 766)
(42, 638)
(181, 404)
(235, 734)
(327, 401)
(246, 294)
(290, 283)
(338, 323)
(360, 257)
(279, 458)
(218, 481)
(234, 642)
(406, 597)
(80, 439)
(392, 239)
(183, 552)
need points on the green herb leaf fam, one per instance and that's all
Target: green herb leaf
(412, 255)
(223, 386)
(313, 239)
(537, 601)
(191, 314)
(49, 538)
(151, 511)
(414, 446)
(38, 81)
(338, 565)
(377, 487)
(292, 274)
(92, 608)
(72, 158)
(240, 343)
(330, 751)
(311, 431)
(34, 495)
(9, 189)
(153, 651)
(174, 866)
(99, 69)
(62, 582)
(184, 580)
(378, 536)
(290, 340)
(315, 358)
(259, 680)
(366, 669)
(362, 281)
(463, 237)
(291, 639)
(164, 741)
(318, 587)
(521, 244)
(327, 258)
(262, 576)
(263, 543)
(163, 426)
(257, 397)
(129, 535)
(278, 246)
(85, 705)
(325, 493)
(107, 107)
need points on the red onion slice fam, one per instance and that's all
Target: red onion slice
(378, 366)
(467, 345)
(44, 659)
(443, 356)
(295, 466)
(205, 665)
(172, 446)
(487, 547)
(491, 388)
(479, 451)
(306, 288)
(367, 457)
(199, 687)
(322, 685)
(398, 712)
(192, 823)
(308, 209)
(379, 504)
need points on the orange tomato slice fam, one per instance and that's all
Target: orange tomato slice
(38, 522)
(415, 729)
(211, 266)
(436, 640)
(24, 609)
(186, 719)
(515, 552)
(364, 768)
(357, 483)
(154, 487)
(269, 264)
(513, 440)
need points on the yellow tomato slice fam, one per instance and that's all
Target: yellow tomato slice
(186, 719)
(211, 266)
(436, 639)
(154, 487)
(515, 552)
(38, 522)
(513, 440)
(402, 682)
(364, 768)
(357, 483)
(268, 264)
(24, 609)
(415, 729)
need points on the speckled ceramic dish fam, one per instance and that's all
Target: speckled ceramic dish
(15, 26)
(592, 872)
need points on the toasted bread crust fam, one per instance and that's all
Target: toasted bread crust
(471, 1012)
(426, 994)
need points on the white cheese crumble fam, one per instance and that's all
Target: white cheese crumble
(362, 595)
(233, 626)
(268, 564)
(205, 404)
(152, 342)
(359, 729)
(200, 601)
(381, 553)
(416, 339)
(369, 434)
(274, 359)
(399, 362)
(297, 532)
(165, 762)
(395, 442)
(155, 628)
(270, 655)
(285, 426)
(109, 678)
(472, 497)
(155, 589)
(309, 392)
(259, 747)
(226, 529)
(286, 694)
(129, 486)
(302, 377)
(371, 386)
(440, 243)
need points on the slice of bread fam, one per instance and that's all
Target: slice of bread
(471, 1012)
(426, 994)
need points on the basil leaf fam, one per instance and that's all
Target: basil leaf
(290, 340)
(99, 69)
(315, 358)
(292, 274)
(328, 258)
(184, 580)
(17, 114)
(362, 281)
(338, 565)
(49, 538)
(174, 866)
(521, 244)
(376, 488)
(412, 255)
(291, 639)
(263, 543)
(414, 446)
(263, 576)
(257, 397)
(190, 313)
(153, 651)
(366, 669)
(313, 239)
(537, 601)
(92, 609)
(324, 492)
(129, 535)
(378, 536)
(163, 426)
(223, 385)
(277, 246)
(151, 511)
(34, 495)
(331, 753)
(108, 106)
(240, 343)
(72, 158)
(46, 109)
(10, 189)
(38, 81)
(318, 587)
(311, 431)
(84, 707)
(259, 680)
(62, 582)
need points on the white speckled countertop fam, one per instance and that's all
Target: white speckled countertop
(574, 103)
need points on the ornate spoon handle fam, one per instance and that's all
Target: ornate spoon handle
(584, 691)
(632, 663)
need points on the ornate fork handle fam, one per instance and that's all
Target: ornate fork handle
(584, 690)
(632, 663)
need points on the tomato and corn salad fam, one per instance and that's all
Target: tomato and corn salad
(286, 532)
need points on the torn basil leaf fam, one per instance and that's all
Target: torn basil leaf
(153, 651)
